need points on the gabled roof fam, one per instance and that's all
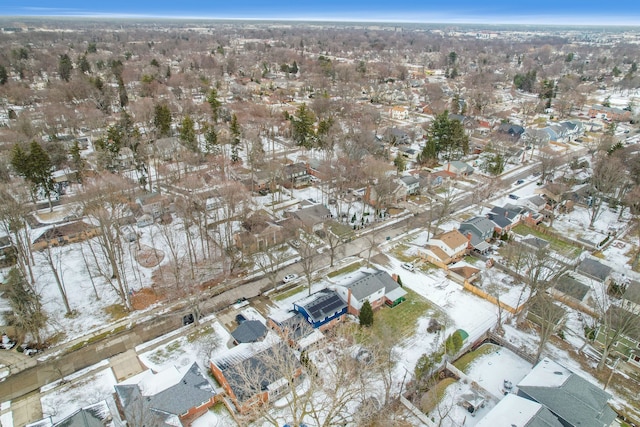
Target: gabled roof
(321, 305)
(250, 369)
(632, 293)
(453, 239)
(249, 331)
(410, 180)
(567, 395)
(170, 392)
(594, 269)
(501, 221)
(480, 223)
(96, 415)
(312, 214)
(571, 287)
(514, 410)
(370, 283)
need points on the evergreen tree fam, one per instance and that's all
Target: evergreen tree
(26, 314)
(76, 159)
(366, 314)
(83, 64)
(162, 119)
(188, 133)
(64, 67)
(235, 138)
(35, 167)
(4, 77)
(212, 99)
(445, 137)
(400, 163)
(211, 139)
(302, 127)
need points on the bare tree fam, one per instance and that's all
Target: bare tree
(308, 262)
(547, 315)
(608, 175)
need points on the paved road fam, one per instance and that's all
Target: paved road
(52, 369)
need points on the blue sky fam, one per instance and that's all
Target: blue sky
(588, 12)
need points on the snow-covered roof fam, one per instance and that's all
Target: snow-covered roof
(518, 411)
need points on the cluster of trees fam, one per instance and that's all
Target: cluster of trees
(446, 140)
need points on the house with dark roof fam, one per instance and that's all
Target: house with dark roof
(514, 131)
(175, 396)
(96, 415)
(478, 231)
(249, 331)
(574, 401)
(375, 286)
(411, 183)
(323, 309)
(569, 287)
(254, 374)
(292, 327)
(595, 270)
(631, 296)
(295, 175)
(311, 218)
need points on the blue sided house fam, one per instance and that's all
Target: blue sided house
(322, 309)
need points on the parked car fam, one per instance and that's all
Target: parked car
(289, 277)
(520, 181)
(514, 197)
(240, 318)
(408, 266)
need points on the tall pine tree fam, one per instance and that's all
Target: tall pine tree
(366, 314)
(235, 138)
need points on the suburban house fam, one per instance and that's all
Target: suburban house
(249, 375)
(505, 218)
(614, 114)
(260, 233)
(631, 296)
(96, 415)
(411, 183)
(536, 203)
(464, 274)
(395, 136)
(295, 175)
(445, 248)
(323, 309)
(595, 270)
(154, 204)
(478, 231)
(458, 168)
(375, 286)
(535, 138)
(569, 289)
(249, 331)
(175, 396)
(292, 327)
(311, 218)
(398, 112)
(573, 400)
(514, 410)
(514, 131)
(625, 322)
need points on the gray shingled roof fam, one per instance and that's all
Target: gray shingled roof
(370, 283)
(249, 374)
(191, 391)
(575, 400)
(633, 292)
(594, 269)
(571, 287)
(249, 331)
(96, 415)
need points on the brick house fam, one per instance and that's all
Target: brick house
(175, 396)
(376, 286)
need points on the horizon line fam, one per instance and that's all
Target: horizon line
(486, 20)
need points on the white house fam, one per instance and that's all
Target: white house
(398, 113)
